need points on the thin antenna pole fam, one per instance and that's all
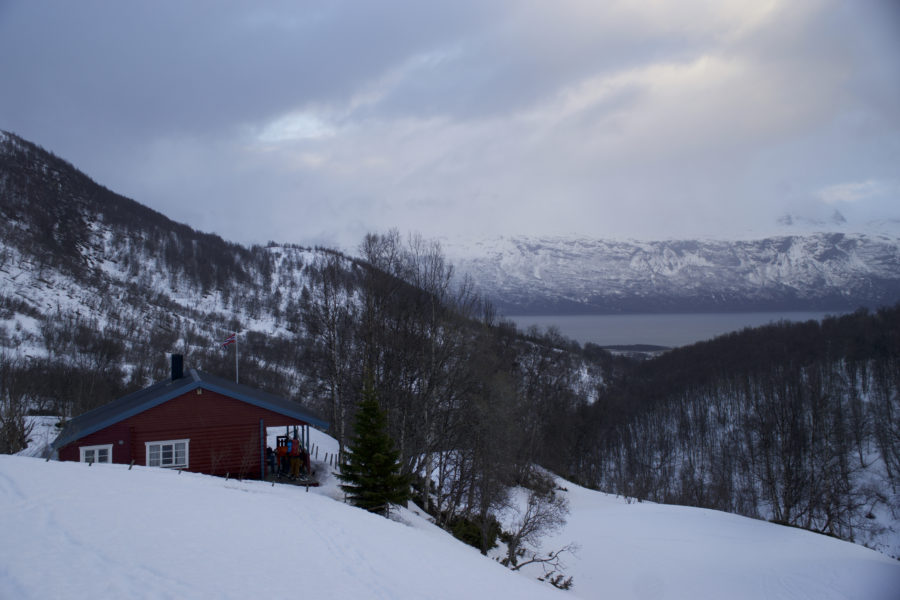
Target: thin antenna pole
(235, 357)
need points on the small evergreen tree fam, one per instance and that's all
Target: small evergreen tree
(371, 475)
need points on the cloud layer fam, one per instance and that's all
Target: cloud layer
(315, 122)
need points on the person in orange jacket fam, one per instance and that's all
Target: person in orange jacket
(295, 459)
(282, 460)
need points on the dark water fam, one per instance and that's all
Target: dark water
(658, 329)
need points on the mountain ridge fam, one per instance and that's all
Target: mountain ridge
(82, 266)
(577, 275)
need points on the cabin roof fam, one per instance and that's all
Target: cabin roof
(163, 391)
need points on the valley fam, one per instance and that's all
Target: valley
(97, 290)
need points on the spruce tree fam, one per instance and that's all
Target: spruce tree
(371, 476)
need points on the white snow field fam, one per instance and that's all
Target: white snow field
(646, 550)
(73, 531)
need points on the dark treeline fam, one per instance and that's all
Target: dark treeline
(795, 422)
(472, 404)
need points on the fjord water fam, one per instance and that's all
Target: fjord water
(669, 330)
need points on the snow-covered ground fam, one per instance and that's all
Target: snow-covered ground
(646, 550)
(74, 531)
(104, 531)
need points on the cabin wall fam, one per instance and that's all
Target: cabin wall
(223, 433)
(119, 435)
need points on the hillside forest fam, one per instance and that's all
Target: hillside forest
(797, 423)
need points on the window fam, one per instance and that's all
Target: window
(169, 454)
(96, 454)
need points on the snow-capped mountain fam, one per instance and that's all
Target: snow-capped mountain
(812, 271)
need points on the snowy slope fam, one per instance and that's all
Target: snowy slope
(76, 531)
(646, 550)
(73, 531)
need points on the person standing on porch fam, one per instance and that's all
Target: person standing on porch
(282, 460)
(295, 459)
(270, 460)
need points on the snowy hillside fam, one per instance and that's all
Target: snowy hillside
(646, 550)
(75, 254)
(75, 531)
(119, 292)
(813, 271)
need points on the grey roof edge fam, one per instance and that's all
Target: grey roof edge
(156, 394)
(260, 398)
(119, 410)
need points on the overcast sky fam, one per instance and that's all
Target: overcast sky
(315, 122)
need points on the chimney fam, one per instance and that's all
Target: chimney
(177, 366)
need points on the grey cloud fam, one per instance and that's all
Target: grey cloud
(329, 119)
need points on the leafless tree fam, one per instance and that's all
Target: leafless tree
(545, 512)
(15, 428)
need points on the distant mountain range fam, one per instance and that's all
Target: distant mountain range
(567, 275)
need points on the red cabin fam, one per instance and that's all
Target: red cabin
(194, 421)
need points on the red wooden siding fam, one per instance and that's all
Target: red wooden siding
(223, 433)
(118, 435)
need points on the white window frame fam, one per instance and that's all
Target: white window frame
(95, 451)
(173, 464)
